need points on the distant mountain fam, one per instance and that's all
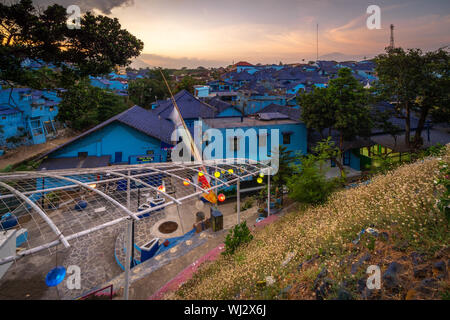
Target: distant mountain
(138, 63)
(338, 56)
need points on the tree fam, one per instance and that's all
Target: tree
(29, 34)
(343, 106)
(84, 106)
(351, 102)
(417, 82)
(187, 83)
(317, 113)
(145, 91)
(434, 91)
(285, 169)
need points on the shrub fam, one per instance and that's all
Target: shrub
(309, 185)
(240, 234)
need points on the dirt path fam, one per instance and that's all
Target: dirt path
(23, 153)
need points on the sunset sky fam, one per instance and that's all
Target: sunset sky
(190, 33)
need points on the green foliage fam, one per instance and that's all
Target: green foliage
(308, 184)
(418, 83)
(187, 83)
(444, 180)
(237, 236)
(42, 35)
(84, 106)
(144, 92)
(248, 204)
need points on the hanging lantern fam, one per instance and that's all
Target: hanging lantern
(93, 185)
(200, 174)
(55, 276)
(221, 197)
(186, 182)
(261, 175)
(259, 180)
(217, 174)
(230, 171)
(162, 188)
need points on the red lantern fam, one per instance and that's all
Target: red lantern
(186, 182)
(221, 197)
(162, 188)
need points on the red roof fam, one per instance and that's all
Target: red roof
(243, 63)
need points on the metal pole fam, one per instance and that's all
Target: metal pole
(268, 194)
(127, 260)
(238, 194)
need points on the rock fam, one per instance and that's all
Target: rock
(428, 285)
(390, 276)
(361, 284)
(421, 272)
(344, 295)
(323, 289)
(417, 258)
(356, 265)
(440, 266)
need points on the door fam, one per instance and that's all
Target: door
(118, 157)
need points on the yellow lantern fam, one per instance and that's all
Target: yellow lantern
(200, 174)
(217, 174)
(261, 175)
(186, 182)
(259, 180)
(230, 171)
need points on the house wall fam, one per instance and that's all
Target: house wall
(115, 137)
(298, 141)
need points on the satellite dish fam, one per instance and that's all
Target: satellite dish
(55, 276)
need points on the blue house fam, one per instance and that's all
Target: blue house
(28, 112)
(131, 137)
(292, 133)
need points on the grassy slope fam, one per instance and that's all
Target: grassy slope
(401, 203)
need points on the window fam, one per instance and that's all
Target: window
(150, 152)
(286, 138)
(347, 158)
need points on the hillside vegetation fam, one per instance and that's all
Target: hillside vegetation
(312, 253)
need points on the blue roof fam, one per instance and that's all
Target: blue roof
(293, 114)
(138, 118)
(190, 107)
(5, 110)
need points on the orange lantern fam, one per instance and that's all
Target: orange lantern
(186, 182)
(221, 197)
(162, 188)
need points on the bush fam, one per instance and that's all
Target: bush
(309, 185)
(240, 234)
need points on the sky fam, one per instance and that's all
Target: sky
(212, 33)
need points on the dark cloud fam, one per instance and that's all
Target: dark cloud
(105, 6)
(155, 60)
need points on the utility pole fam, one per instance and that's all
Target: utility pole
(317, 42)
(391, 45)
